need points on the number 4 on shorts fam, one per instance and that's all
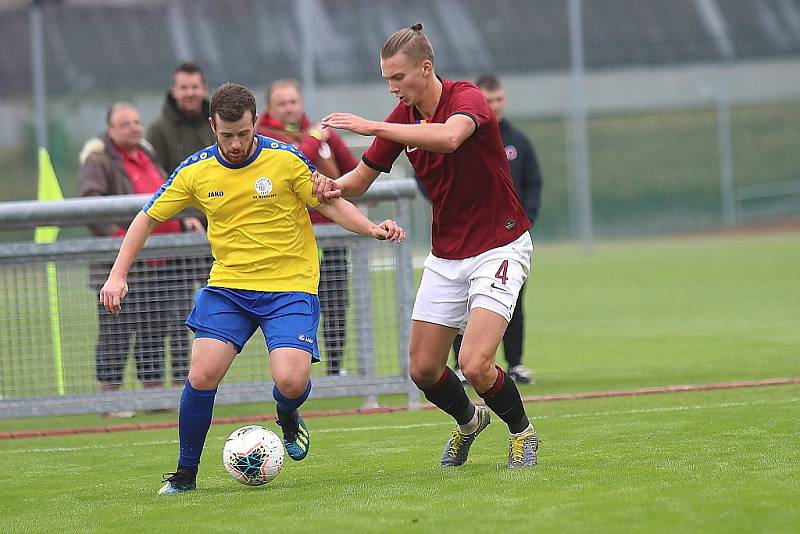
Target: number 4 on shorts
(502, 272)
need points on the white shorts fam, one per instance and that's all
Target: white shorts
(492, 280)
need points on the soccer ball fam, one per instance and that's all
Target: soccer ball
(253, 455)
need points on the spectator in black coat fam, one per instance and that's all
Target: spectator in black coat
(528, 183)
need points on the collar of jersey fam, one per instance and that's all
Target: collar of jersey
(247, 162)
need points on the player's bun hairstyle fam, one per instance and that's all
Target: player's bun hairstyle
(231, 101)
(411, 41)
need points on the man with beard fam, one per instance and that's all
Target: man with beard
(255, 192)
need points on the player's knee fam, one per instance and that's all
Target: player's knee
(292, 387)
(424, 374)
(202, 379)
(477, 368)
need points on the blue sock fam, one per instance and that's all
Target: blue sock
(194, 420)
(286, 406)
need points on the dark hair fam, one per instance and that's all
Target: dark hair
(231, 101)
(489, 82)
(410, 41)
(188, 67)
(283, 83)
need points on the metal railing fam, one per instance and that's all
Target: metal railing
(772, 199)
(49, 319)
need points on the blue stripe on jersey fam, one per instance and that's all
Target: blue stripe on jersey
(274, 144)
(200, 155)
(213, 151)
(225, 163)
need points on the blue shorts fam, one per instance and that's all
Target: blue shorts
(287, 319)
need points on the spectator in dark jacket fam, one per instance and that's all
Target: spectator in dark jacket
(183, 128)
(528, 183)
(285, 120)
(120, 162)
(180, 131)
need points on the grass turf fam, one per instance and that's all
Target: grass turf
(713, 462)
(632, 314)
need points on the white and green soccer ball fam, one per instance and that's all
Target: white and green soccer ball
(253, 455)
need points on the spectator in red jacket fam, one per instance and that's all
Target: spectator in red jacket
(285, 120)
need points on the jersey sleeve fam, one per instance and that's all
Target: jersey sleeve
(301, 182)
(382, 153)
(172, 197)
(469, 100)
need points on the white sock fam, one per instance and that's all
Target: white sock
(529, 429)
(472, 426)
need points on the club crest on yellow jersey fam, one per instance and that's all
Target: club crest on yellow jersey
(263, 188)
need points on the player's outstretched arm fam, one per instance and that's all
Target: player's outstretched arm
(352, 184)
(348, 217)
(116, 286)
(434, 137)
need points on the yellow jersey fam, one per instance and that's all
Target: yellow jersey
(258, 225)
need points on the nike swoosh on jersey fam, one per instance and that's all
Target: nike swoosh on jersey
(410, 149)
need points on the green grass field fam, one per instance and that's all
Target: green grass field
(712, 462)
(633, 314)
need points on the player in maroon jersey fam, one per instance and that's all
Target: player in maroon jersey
(481, 245)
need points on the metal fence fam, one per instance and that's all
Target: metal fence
(52, 348)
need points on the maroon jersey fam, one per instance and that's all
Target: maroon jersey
(475, 206)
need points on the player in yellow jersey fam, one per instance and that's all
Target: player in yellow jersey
(254, 191)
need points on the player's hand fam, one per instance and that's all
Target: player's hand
(389, 230)
(349, 122)
(193, 224)
(324, 133)
(114, 290)
(324, 188)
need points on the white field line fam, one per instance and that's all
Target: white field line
(658, 409)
